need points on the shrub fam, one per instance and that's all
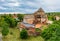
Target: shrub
(11, 21)
(23, 34)
(20, 16)
(38, 31)
(5, 29)
(51, 18)
(52, 33)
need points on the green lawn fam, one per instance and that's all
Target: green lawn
(15, 36)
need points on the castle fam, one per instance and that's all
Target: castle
(35, 20)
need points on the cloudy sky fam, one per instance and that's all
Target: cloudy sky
(29, 6)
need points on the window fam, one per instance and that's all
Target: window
(38, 16)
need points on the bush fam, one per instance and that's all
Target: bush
(51, 18)
(5, 29)
(20, 16)
(52, 33)
(11, 21)
(23, 34)
(38, 31)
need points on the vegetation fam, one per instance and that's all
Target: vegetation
(51, 15)
(11, 21)
(23, 34)
(8, 24)
(20, 17)
(38, 30)
(16, 36)
(5, 28)
(52, 32)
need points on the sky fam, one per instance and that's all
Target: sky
(29, 6)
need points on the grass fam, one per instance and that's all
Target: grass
(14, 36)
(34, 39)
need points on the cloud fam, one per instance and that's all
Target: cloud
(29, 6)
(2, 8)
(51, 5)
(11, 4)
(2, 0)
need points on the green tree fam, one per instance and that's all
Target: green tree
(5, 29)
(4, 26)
(52, 33)
(11, 21)
(20, 17)
(23, 34)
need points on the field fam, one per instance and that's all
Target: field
(14, 36)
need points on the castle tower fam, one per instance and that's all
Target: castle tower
(39, 12)
(40, 16)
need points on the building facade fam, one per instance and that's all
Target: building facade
(35, 20)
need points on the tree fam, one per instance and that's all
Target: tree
(11, 21)
(51, 17)
(52, 33)
(23, 34)
(20, 17)
(4, 26)
(5, 29)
